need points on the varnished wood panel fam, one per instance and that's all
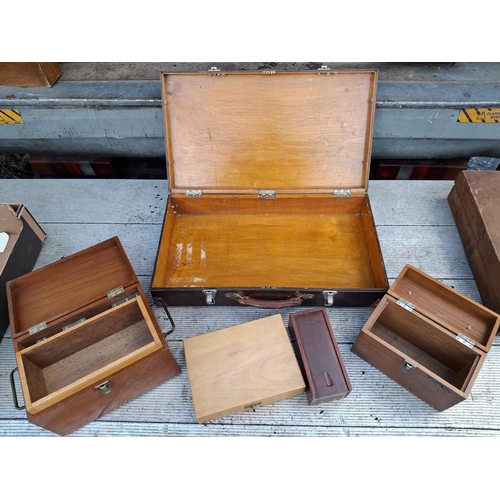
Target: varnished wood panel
(286, 130)
(29, 74)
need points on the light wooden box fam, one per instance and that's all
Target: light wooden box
(241, 367)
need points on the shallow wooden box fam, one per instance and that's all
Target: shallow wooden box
(474, 202)
(327, 378)
(29, 74)
(85, 338)
(241, 367)
(429, 338)
(268, 203)
(20, 254)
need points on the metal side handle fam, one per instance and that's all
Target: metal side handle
(14, 392)
(164, 304)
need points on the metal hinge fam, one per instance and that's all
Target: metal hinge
(267, 193)
(465, 340)
(407, 366)
(324, 68)
(37, 328)
(406, 305)
(329, 296)
(214, 70)
(342, 193)
(81, 320)
(268, 72)
(116, 291)
(126, 299)
(194, 193)
(210, 295)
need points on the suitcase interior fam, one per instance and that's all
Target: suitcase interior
(287, 242)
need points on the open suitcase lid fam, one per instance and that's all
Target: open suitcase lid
(66, 285)
(473, 323)
(280, 131)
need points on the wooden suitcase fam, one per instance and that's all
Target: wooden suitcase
(85, 338)
(474, 202)
(25, 239)
(241, 367)
(429, 338)
(326, 374)
(268, 203)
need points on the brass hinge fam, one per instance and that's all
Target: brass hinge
(37, 328)
(194, 193)
(465, 340)
(115, 292)
(406, 305)
(267, 193)
(342, 193)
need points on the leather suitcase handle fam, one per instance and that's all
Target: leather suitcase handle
(269, 304)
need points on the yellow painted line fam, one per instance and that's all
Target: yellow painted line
(479, 115)
(9, 116)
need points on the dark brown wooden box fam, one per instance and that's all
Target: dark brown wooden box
(268, 203)
(429, 338)
(85, 337)
(474, 202)
(323, 364)
(20, 255)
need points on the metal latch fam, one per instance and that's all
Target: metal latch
(342, 193)
(406, 305)
(37, 328)
(324, 68)
(210, 295)
(105, 387)
(194, 193)
(115, 292)
(407, 366)
(267, 193)
(328, 296)
(465, 340)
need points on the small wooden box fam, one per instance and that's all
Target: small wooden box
(325, 370)
(29, 74)
(85, 337)
(241, 367)
(25, 238)
(429, 338)
(474, 202)
(268, 203)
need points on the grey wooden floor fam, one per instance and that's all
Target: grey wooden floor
(414, 225)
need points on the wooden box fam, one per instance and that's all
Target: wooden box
(241, 367)
(429, 338)
(326, 374)
(85, 337)
(24, 243)
(474, 202)
(29, 74)
(268, 203)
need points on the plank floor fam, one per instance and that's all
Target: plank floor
(415, 226)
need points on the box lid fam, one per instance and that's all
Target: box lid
(473, 323)
(237, 368)
(69, 284)
(284, 131)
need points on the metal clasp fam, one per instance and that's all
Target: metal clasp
(105, 387)
(329, 297)
(407, 366)
(210, 295)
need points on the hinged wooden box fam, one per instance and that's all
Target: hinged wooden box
(241, 367)
(85, 337)
(474, 202)
(268, 177)
(429, 338)
(326, 374)
(21, 243)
